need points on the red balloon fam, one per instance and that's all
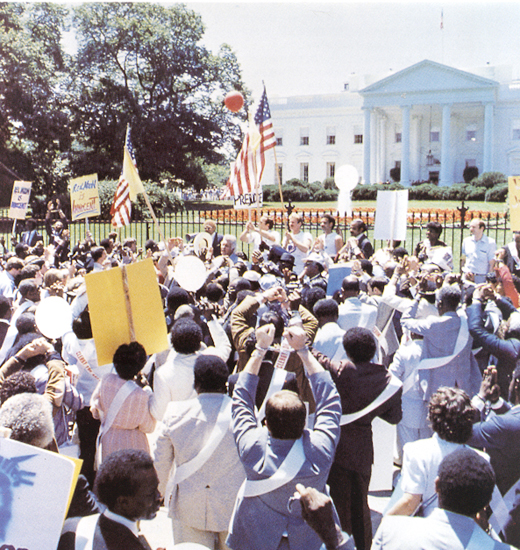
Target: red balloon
(234, 101)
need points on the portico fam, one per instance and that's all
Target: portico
(435, 118)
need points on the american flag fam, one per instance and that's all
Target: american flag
(128, 187)
(248, 169)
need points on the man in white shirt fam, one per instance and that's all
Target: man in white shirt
(478, 252)
(263, 233)
(297, 242)
(353, 312)
(329, 242)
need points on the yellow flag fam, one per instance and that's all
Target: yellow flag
(254, 134)
(131, 175)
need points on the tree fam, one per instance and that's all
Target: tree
(34, 130)
(142, 64)
(470, 173)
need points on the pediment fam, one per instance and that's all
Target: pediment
(426, 77)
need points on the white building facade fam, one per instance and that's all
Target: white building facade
(430, 120)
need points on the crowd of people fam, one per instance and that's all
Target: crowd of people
(254, 428)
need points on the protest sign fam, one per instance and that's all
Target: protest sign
(84, 197)
(391, 213)
(248, 200)
(514, 202)
(125, 305)
(35, 487)
(20, 200)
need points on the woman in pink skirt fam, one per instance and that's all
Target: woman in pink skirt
(120, 401)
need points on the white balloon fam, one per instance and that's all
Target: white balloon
(190, 273)
(346, 177)
(53, 317)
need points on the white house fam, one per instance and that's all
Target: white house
(431, 120)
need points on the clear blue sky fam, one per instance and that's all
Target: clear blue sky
(306, 47)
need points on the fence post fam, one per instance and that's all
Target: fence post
(462, 209)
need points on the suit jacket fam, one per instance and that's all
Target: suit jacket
(217, 240)
(260, 521)
(365, 246)
(358, 386)
(204, 500)
(442, 530)
(109, 535)
(31, 237)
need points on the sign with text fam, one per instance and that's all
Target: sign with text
(20, 199)
(514, 202)
(35, 487)
(248, 200)
(391, 213)
(84, 197)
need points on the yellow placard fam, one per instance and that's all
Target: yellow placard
(514, 202)
(116, 313)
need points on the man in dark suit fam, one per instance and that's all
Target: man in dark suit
(127, 484)
(210, 227)
(360, 384)
(30, 236)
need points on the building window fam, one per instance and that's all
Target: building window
(279, 141)
(471, 162)
(304, 136)
(304, 171)
(279, 167)
(435, 135)
(345, 87)
(516, 129)
(331, 169)
(331, 135)
(398, 164)
(398, 137)
(358, 138)
(471, 133)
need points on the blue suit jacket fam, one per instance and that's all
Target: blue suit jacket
(260, 521)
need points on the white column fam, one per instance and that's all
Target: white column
(487, 165)
(374, 141)
(446, 175)
(383, 176)
(366, 148)
(405, 147)
(415, 153)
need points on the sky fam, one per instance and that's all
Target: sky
(300, 48)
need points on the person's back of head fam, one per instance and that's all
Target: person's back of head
(29, 417)
(97, 253)
(5, 307)
(449, 297)
(18, 382)
(350, 286)
(27, 286)
(129, 359)
(399, 252)
(465, 482)
(186, 336)
(271, 317)
(14, 263)
(176, 297)
(311, 296)
(120, 477)
(82, 327)
(285, 415)
(26, 323)
(451, 414)
(210, 374)
(326, 308)
(367, 267)
(359, 344)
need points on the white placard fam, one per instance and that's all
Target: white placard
(34, 492)
(248, 200)
(391, 213)
(20, 199)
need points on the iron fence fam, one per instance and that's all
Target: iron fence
(188, 222)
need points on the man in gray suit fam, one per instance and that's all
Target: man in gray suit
(282, 453)
(464, 485)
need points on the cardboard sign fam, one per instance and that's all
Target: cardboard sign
(84, 197)
(20, 199)
(248, 200)
(336, 275)
(125, 305)
(35, 486)
(514, 202)
(391, 213)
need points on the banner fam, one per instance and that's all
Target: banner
(84, 197)
(35, 487)
(514, 202)
(248, 200)
(20, 199)
(391, 213)
(125, 305)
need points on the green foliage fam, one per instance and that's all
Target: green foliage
(498, 193)
(324, 195)
(329, 183)
(216, 174)
(470, 173)
(369, 192)
(490, 180)
(464, 191)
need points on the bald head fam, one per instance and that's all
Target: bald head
(285, 415)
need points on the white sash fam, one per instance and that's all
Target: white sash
(186, 470)
(124, 391)
(12, 331)
(275, 385)
(85, 531)
(392, 388)
(501, 506)
(480, 540)
(436, 362)
(514, 253)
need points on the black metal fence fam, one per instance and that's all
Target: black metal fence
(233, 222)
